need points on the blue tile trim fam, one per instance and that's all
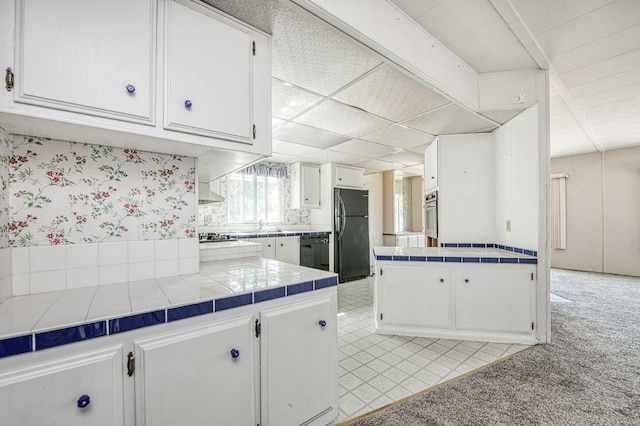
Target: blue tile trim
(508, 260)
(478, 245)
(529, 261)
(401, 258)
(188, 311)
(326, 282)
(491, 245)
(132, 322)
(16, 345)
(465, 245)
(529, 252)
(470, 260)
(264, 295)
(535, 253)
(452, 259)
(453, 245)
(435, 259)
(488, 260)
(299, 288)
(518, 250)
(509, 248)
(384, 257)
(417, 258)
(50, 339)
(233, 301)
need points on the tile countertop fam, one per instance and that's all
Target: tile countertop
(218, 286)
(465, 253)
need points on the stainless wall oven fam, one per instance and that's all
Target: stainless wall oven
(431, 215)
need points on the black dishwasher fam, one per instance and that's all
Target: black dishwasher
(314, 251)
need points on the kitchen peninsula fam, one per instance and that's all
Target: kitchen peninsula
(244, 341)
(483, 292)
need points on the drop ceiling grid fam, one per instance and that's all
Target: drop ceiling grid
(295, 149)
(406, 158)
(342, 119)
(364, 148)
(287, 101)
(310, 136)
(372, 164)
(447, 120)
(390, 94)
(328, 156)
(398, 136)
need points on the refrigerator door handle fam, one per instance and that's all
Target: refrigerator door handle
(343, 214)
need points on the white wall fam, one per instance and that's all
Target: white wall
(373, 182)
(516, 177)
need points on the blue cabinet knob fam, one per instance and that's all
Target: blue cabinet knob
(466, 280)
(83, 401)
(235, 353)
(322, 323)
(130, 88)
(188, 104)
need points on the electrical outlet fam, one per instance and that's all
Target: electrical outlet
(508, 225)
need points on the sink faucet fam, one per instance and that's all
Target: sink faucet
(260, 225)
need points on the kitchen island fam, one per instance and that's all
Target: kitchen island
(483, 292)
(244, 341)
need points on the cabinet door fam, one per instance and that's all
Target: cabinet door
(422, 241)
(288, 249)
(53, 393)
(310, 186)
(298, 361)
(431, 166)
(494, 299)
(415, 296)
(268, 246)
(194, 377)
(350, 177)
(402, 241)
(81, 56)
(209, 73)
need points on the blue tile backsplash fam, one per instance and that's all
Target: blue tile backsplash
(16, 345)
(53, 338)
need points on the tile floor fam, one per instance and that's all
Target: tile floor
(375, 370)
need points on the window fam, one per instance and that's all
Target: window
(252, 198)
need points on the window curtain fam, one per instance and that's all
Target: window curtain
(559, 211)
(267, 170)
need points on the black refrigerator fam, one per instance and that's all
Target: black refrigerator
(351, 237)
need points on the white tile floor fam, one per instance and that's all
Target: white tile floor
(375, 370)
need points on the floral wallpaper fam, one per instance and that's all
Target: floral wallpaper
(5, 152)
(71, 193)
(216, 214)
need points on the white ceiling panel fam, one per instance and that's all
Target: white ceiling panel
(543, 15)
(276, 122)
(501, 116)
(378, 165)
(450, 119)
(617, 94)
(415, 8)
(604, 85)
(406, 158)
(480, 43)
(364, 148)
(599, 50)
(282, 158)
(327, 156)
(309, 54)
(305, 135)
(399, 136)
(289, 148)
(567, 135)
(413, 170)
(340, 118)
(391, 94)
(450, 19)
(287, 101)
(602, 22)
(629, 61)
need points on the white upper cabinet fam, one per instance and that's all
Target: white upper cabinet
(92, 57)
(305, 186)
(348, 177)
(431, 166)
(209, 73)
(167, 76)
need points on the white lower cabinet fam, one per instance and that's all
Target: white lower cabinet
(284, 249)
(414, 297)
(198, 376)
(84, 389)
(489, 304)
(274, 363)
(298, 372)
